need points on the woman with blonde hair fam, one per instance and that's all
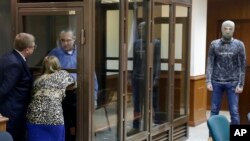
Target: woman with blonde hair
(45, 114)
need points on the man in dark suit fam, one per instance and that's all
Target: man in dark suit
(16, 85)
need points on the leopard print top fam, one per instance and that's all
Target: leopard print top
(49, 91)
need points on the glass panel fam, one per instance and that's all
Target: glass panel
(107, 69)
(160, 94)
(5, 28)
(180, 67)
(46, 29)
(137, 54)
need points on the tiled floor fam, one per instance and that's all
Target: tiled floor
(197, 133)
(200, 132)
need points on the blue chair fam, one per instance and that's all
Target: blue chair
(219, 128)
(5, 136)
(248, 117)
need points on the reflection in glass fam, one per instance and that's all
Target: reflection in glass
(180, 67)
(138, 77)
(160, 90)
(107, 68)
(137, 54)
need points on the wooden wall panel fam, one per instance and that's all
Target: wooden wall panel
(198, 100)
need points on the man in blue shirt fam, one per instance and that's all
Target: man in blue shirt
(66, 52)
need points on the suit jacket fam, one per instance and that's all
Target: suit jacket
(15, 87)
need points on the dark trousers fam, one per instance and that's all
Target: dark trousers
(139, 99)
(17, 128)
(219, 90)
(69, 113)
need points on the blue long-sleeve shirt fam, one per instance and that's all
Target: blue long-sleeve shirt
(69, 61)
(226, 62)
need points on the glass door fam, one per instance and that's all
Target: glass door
(181, 69)
(139, 68)
(161, 95)
(46, 24)
(105, 118)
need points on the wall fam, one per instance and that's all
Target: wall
(198, 93)
(198, 37)
(5, 26)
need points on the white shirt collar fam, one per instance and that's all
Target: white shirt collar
(70, 52)
(21, 54)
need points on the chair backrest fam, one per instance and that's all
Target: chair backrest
(248, 117)
(219, 128)
(5, 136)
(104, 98)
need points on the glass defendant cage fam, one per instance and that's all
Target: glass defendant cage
(139, 50)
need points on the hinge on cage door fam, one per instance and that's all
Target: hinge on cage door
(82, 37)
(72, 12)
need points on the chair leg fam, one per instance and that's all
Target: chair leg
(107, 118)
